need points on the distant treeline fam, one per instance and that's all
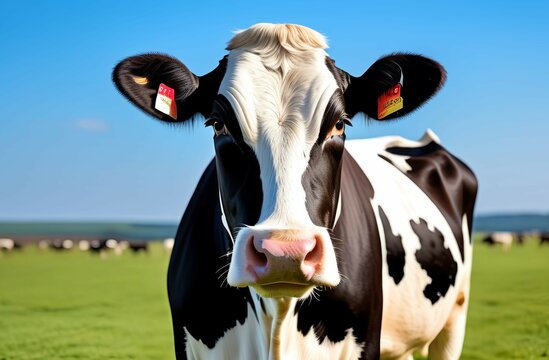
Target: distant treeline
(130, 231)
(145, 231)
(513, 223)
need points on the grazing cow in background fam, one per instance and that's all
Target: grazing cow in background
(504, 239)
(330, 250)
(543, 238)
(101, 246)
(98, 245)
(168, 244)
(59, 244)
(84, 245)
(138, 246)
(9, 244)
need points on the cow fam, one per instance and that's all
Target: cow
(138, 246)
(61, 245)
(295, 243)
(8, 244)
(168, 245)
(502, 238)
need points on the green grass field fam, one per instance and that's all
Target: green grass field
(76, 305)
(509, 309)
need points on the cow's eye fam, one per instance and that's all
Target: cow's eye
(218, 126)
(339, 128)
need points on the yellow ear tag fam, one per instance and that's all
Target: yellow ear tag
(165, 101)
(389, 102)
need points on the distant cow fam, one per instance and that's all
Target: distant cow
(330, 250)
(61, 244)
(543, 238)
(168, 244)
(520, 238)
(8, 244)
(84, 245)
(98, 245)
(138, 246)
(504, 239)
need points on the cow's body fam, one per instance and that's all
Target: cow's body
(295, 244)
(370, 259)
(425, 241)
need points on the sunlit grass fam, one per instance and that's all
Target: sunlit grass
(509, 309)
(74, 305)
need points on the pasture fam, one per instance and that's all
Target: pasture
(77, 305)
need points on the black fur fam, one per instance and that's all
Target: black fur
(436, 260)
(395, 249)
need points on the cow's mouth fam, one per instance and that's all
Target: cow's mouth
(283, 289)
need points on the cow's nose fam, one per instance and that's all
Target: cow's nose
(277, 258)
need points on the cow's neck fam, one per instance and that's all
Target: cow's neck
(275, 321)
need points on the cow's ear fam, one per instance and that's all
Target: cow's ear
(163, 87)
(394, 86)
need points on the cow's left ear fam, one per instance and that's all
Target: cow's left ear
(394, 86)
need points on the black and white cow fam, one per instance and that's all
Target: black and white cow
(501, 238)
(295, 244)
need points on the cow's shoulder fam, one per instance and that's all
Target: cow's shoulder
(446, 181)
(429, 164)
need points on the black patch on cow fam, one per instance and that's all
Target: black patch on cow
(435, 259)
(417, 151)
(357, 302)
(341, 77)
(386, 159)
(335, 111)
(262, 303)
(321, 179)
(238, 168)
(329, 317)
(395, 250)
(196, 287)
(446, 180)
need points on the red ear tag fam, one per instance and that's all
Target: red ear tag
(389, 102)
(165, 101)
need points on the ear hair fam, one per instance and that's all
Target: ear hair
(421, 76)
(139, 77)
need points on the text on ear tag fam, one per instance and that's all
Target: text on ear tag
(389, 102)
(165, 101)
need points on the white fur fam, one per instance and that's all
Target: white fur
(280, 116)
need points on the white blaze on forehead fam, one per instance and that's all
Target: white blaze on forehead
(279, 87)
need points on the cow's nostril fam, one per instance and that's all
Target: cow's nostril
(312, 260)
(255, 257)
(314, 256)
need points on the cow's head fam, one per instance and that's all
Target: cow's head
(278, 107)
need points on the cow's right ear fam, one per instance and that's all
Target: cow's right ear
(163, 87)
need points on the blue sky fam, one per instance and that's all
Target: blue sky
(71, 148)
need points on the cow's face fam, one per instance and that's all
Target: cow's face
(278, 107)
